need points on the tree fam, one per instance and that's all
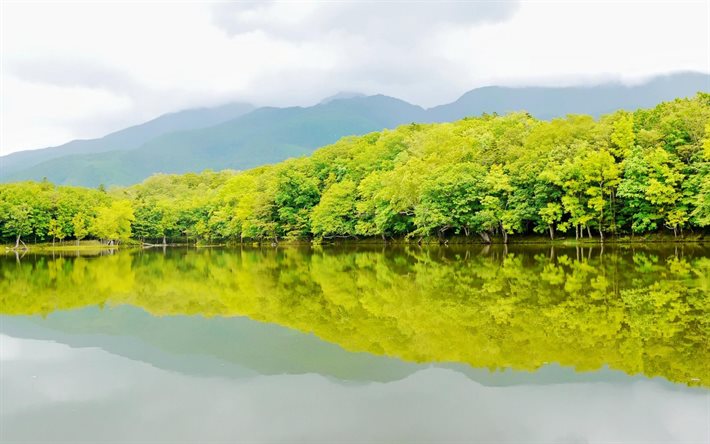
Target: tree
(19, 222)
(551, 214)
(335, 214)
(498, 189)
(296, 194)
(623, 136)
(56, 230)
(80, 226)
(168, 218)
(601, 176)
(653, 187)
(701, 213)
(676, 220)
(113, 223)
(451, 199)
(384, 206)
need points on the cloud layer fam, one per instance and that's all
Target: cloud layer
(78, 70)
(398, 21)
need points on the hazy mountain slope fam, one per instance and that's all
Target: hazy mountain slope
(269, 135)
(125, 139)
(195, 345)
(547, 103)
(264, 136)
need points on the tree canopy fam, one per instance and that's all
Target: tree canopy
(625, 173)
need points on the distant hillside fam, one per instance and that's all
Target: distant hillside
(265, 135)
(125, 139)
(268, 135)
(548, 103)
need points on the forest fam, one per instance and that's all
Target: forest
(487, 178)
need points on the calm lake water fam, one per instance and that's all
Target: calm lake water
(366, 344)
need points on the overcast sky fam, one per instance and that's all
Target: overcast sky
(81, 69)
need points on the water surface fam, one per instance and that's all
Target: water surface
(366, 344)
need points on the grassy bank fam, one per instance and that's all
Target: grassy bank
(96, 246)
(512, 240)
(88, 245)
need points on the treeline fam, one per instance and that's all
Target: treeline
(626, 173)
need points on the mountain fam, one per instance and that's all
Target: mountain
(342, 95)
(268, 135)
(125, 139)
(547, 103)
(265, 135)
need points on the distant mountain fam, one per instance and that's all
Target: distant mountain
(125, 139)
(342, 95)
(268, 135)
(547, 103)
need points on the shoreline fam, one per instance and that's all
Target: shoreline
(97, 247)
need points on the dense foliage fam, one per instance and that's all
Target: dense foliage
(626, 173)
(634, 309)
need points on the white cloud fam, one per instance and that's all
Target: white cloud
(563, 42)
(391, 20)
(46, 114)
(78, 70)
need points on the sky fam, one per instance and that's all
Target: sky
(73, 70)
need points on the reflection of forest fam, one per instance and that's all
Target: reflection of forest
(641, 311)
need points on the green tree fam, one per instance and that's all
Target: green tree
(19, 222)
(551, 214)
(56, 230)
(623, 136)
(335, 214)
(113, 223)
(601, 176)
(80, 227)
(701, 213)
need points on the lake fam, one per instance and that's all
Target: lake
(525, 344)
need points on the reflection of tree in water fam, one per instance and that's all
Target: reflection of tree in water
(640, 311)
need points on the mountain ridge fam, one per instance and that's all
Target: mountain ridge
(127, 138)
(599, 99)
(271, 134)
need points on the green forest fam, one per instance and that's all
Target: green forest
(487, 178)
